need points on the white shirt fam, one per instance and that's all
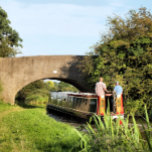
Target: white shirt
(100, 88)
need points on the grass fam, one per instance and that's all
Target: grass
(110, 136)
(4, 107)
(31, 130)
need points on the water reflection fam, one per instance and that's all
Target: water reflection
(66, 118)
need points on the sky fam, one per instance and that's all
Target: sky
(64, 27)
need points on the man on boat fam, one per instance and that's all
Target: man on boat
(100, 90)
(118, 99)
(118, 89)
(100, 87)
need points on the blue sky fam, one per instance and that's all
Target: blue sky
(61, 27)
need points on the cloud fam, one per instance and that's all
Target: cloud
(57, 19)
(58, 23)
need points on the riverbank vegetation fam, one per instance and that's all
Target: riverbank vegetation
(38, 92)
(112, 137)
(31, 130)
(124, 54)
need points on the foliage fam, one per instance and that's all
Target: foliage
(51, 84)
(61, 86)
(34, 93)
(38, 92)
(38, 96)
(31, 130)
(124, 54)
(134, 106)
(112, 137)
(9, 38)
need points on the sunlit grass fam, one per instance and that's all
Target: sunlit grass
(31, 130)
(4, 107)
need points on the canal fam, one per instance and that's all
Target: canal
(77, 122)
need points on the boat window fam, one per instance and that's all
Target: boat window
(74, 101)
(93, 105)
(77, 101)
(71, 99)
(86, 100)
(80, 101)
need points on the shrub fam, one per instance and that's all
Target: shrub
(134, 106)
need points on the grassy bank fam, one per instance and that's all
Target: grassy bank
(31, 130)
(119, 135)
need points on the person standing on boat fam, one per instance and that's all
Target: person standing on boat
(118, 98)
(118, 89)
(100, 89)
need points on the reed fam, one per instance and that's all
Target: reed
(109, 135)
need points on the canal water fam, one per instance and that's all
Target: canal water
(68, 119)
(80, 124)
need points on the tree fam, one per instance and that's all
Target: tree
(62, 86)
(37, 91)
(9, 38)
(125, 54)
(50, 84)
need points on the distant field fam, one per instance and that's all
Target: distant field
(31, 130)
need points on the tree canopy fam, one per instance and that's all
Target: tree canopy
(62, 86)
(39, 91)
(9, 38)
(124, 54)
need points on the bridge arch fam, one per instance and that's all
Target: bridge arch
(15, 73)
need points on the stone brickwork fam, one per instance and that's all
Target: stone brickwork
(16, 73)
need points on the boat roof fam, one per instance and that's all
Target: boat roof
(83, 94)
(80, 94)
(86, 94)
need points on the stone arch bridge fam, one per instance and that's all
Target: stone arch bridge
(15, 73)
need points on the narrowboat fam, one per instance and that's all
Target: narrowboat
(84, 105)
